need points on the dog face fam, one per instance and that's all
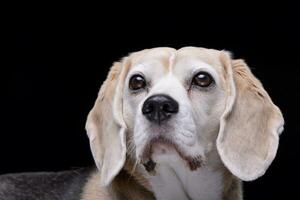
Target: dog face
(173, 102)
(166, 105)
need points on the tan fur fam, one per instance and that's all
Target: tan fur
(123, 187)
(257, 140)
(232, 186)
(252, 127)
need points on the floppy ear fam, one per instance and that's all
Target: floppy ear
(105, 126)
(250, 126)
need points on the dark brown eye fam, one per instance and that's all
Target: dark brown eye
(202, 79)
(137, 82)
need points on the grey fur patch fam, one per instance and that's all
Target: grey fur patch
(65, 185)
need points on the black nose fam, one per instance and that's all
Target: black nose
(158, 108)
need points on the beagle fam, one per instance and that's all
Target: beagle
(186, 124)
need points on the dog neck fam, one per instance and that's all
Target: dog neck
(177, 182)
(174, 180)
(169, 182)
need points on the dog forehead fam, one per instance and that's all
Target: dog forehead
(165, 59)
(161, 54)
(209, 56)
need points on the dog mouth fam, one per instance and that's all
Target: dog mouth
(165, 144)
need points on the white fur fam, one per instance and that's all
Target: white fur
(173, 180)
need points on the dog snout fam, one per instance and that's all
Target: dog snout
(159, 108)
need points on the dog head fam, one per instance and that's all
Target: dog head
(165, 105)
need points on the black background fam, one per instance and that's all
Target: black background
(58, 56)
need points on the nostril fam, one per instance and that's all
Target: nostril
(166, 108)
(170, 107)
(148, 108)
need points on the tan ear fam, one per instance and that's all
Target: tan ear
(105, 126)
(251, 124)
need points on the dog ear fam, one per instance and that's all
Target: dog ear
(105, 125)
(250, 125)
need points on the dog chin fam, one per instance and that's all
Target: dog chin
(164, 151)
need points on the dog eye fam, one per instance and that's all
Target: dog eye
(137, 82)
(202, 79)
